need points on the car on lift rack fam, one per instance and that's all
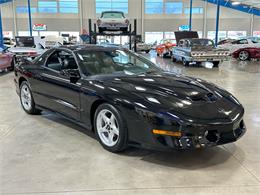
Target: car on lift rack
(191, 49)
(112, 21)
(127, 100)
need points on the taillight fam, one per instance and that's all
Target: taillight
(32, 53)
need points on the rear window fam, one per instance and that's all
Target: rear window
(112, 15)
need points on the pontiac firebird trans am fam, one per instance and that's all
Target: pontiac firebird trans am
(127, 100)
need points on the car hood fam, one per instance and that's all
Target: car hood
(177, 95)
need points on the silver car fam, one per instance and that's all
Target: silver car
(112, 21)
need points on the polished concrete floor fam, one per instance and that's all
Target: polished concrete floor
(47, 154)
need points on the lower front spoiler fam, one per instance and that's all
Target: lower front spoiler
(186, 142)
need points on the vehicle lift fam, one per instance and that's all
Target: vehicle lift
(93, 33)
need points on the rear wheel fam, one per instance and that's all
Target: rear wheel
(216, 64)
(27, 100)
(243, 55)
(110, 128)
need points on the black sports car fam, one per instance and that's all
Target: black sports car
(128, 100)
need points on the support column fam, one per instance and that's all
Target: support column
(142, 20)
(190, 22)
(1, 30)
(81, 15)
(217, 22)
(205, 19)
(30, 17)
(252, 24)
(14, 19)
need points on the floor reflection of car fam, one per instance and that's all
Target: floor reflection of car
(165, 47)
(112, 21)
(6, 60)
(127, 100)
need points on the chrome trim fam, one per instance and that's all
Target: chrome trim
(55, 78)
(66, 104)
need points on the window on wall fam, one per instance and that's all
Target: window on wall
(47, 6)
(111, 5)
(173, 7)
(68, 6)
(195, 10)
(152, 37)
(236, 34)
(221, 35)
(153, 6)
(169, 35)
(24, 9)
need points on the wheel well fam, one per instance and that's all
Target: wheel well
(93, 109)
(21, 79)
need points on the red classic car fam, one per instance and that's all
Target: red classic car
(165, 47)
(6, 61)
(244, 54)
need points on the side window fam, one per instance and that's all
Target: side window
(61, 60)
(243, 41)
(186, 44)
(54, 62)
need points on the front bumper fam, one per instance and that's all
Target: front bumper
(195, 137)
(208, 58)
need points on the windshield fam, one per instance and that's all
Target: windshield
(24, 41)
(112, 15)
(114, 62)
(202, 43)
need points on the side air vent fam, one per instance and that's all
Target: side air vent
(204, 97)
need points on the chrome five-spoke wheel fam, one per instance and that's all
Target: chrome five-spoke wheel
(110, 128)
(26, 98)
(243, 55)
(107, 127)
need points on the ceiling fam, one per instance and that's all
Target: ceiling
(250, 3)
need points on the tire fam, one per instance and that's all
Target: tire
(27, 100)
(164, 55)
(216, 64)
(243, 55)
(105, 126)
(185, 62)
(158, 54)
(147, 51)
(101, 30)
(174, 59)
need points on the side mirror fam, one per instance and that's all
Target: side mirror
(72, 74)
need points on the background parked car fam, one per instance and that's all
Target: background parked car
(6, 60)
(244, 54)
(238, 44)
(112, 21)
(165, 47)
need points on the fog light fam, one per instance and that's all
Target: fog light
(170, 133)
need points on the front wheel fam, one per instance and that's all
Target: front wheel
(216, 64)
(185, 62)
(243, 55)
(26, 99)
(110, 128)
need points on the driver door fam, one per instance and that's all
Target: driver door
(59, 93)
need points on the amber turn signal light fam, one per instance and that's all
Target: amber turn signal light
(163, 132)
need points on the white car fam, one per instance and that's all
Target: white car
(112, 21)
(238, 44)
(26, 47)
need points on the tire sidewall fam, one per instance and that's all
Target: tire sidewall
(122, 141)
(31, 111)
(245, 52)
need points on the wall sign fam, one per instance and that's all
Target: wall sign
(39, 27)
(184, 28)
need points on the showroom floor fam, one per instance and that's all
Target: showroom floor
(46, 154)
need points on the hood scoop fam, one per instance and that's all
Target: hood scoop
(208, 97)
